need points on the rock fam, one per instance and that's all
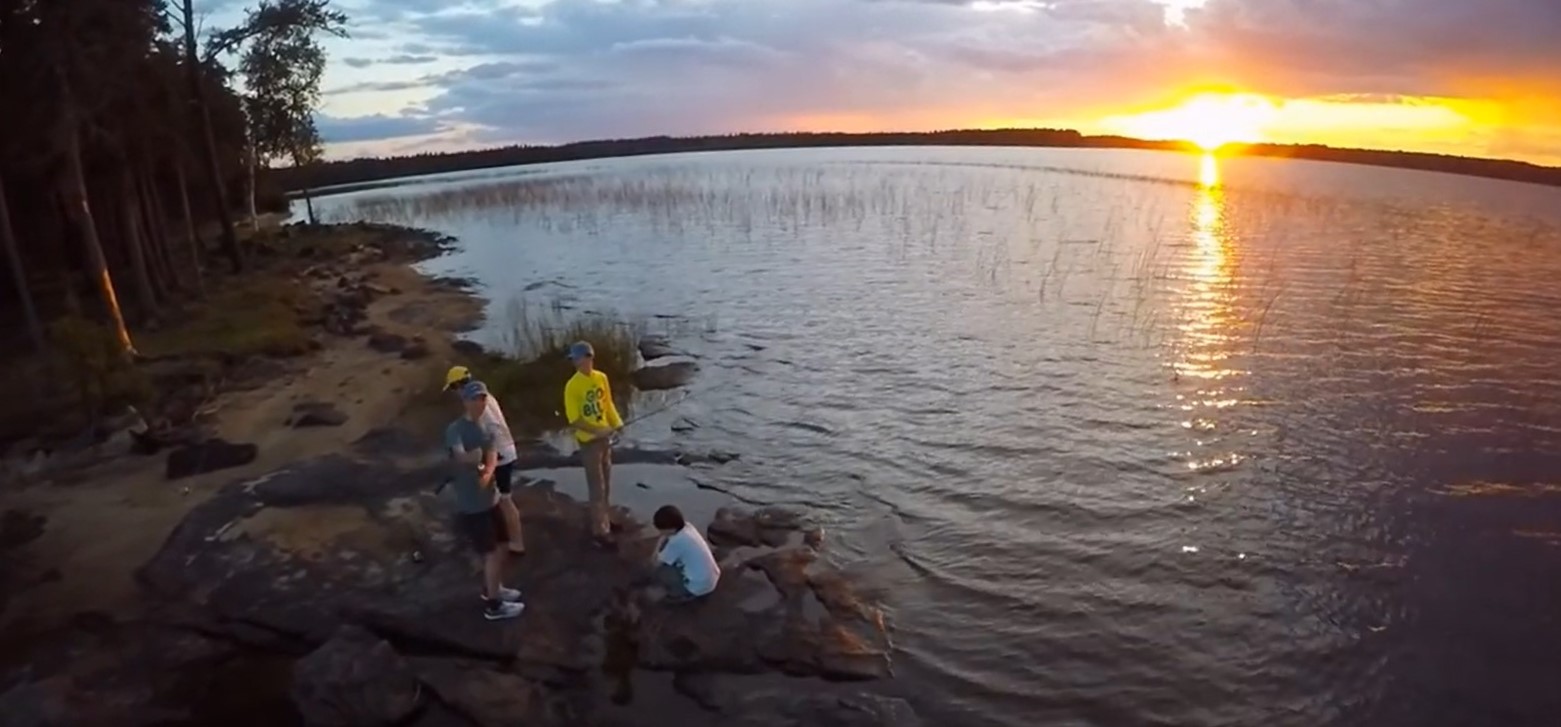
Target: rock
(684, 424)
(208, 456)
(316, 414)
(18, 528)
(387, 342)
(663, 376)
(31, 705)
(133, 674)
(489, 697)
(801, 708)
(392, 442)
(415, 351)
(732, 527)
(719, 457)
(652, 348)
(700, 688)
(296, 555)
(468, 348)
(353, 680)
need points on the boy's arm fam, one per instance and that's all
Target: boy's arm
(613, 420)
(490, 462)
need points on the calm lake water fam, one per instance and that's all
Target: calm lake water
(1122, 438)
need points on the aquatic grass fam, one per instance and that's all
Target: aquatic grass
(529, 372)
(1125, 246)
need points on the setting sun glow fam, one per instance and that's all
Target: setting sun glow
(1210, 120)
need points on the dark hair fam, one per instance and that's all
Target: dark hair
(668, 518)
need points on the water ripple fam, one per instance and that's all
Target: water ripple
(1131, 448)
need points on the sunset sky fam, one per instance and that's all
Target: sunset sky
(1453, 76)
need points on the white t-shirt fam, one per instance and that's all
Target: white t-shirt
(503, 441)
(688, 550)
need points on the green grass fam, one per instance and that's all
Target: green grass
(242, 319)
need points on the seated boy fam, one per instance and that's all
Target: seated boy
(685, 565)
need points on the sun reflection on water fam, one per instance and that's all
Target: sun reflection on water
(1208, 319)
(1206, 305)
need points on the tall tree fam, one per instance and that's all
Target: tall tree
(281, 63)
(13, 256)
(202, 109)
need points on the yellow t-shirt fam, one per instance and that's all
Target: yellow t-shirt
(590, 398)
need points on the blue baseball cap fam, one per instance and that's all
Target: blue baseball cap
(473, 390)
(581, 350)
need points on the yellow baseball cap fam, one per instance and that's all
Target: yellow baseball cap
(456, 375)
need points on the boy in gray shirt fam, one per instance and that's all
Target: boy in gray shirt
(475, 458)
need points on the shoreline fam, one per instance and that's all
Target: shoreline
(254, 400)
(367, 172)
(290, 571)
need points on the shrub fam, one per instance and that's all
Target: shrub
(88, 357)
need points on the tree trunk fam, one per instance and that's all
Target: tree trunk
(80, 210)
(157, 232)
(254, 217)
(135, 247)
(209, 145)
(19, 273)
(67, 268)
(189, 228)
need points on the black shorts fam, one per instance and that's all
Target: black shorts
(485, 530)
(503, 475)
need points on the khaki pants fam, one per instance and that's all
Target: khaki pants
(596, 457)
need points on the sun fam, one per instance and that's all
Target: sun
(1209, 120)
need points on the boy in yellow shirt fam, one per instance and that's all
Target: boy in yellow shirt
(593, 417)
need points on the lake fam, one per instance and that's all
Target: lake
(1120, 437)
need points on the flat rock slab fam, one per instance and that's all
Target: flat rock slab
(324, 548)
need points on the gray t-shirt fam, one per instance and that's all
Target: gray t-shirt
(465, 435)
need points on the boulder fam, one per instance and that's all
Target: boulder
(488, 697)
(652, 348)
(663, 376)
(387, 342)
(415, 351)
(316, 414)
(354, 680)
(208, 456)
(468, 348)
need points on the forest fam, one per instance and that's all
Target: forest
(129, 139)
(371, 169)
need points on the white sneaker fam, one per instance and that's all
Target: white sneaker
(502, 610)
(506, 594)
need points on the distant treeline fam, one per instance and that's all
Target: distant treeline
(369, 169)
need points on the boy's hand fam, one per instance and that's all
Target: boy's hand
(484, 476)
